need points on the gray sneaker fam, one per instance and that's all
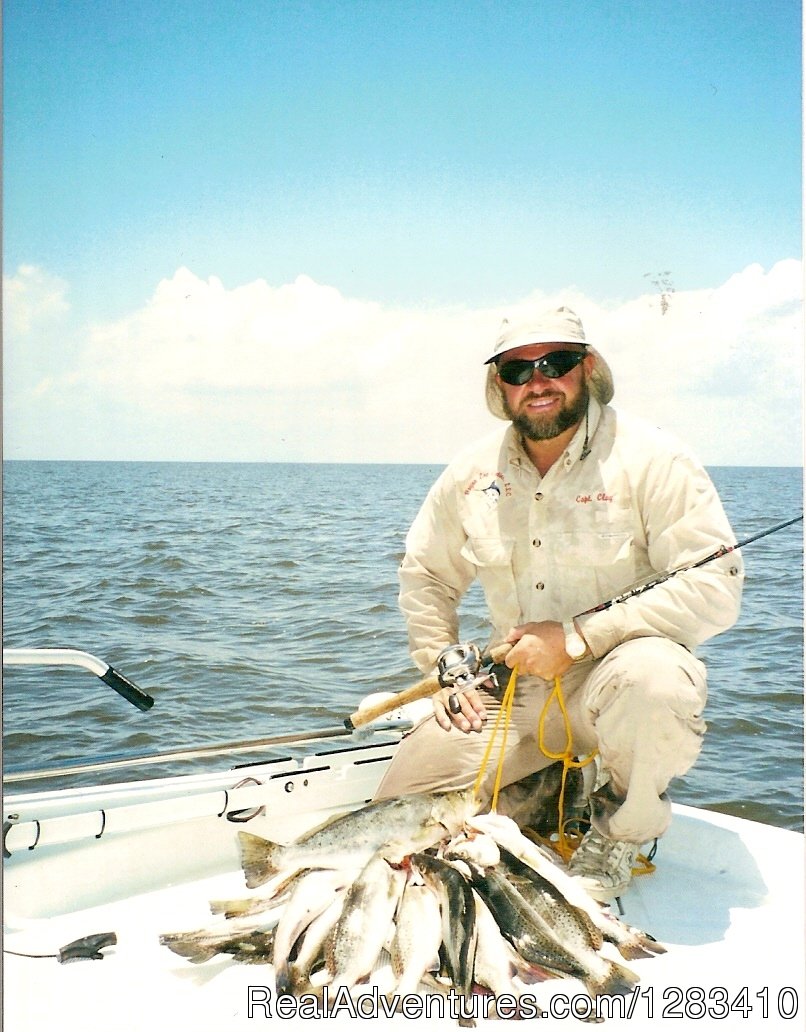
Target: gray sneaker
(603, 866)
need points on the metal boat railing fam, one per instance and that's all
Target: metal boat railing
(197, 752)
(143, 701)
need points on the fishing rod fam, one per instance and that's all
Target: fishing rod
(721, 551)
(468, 662)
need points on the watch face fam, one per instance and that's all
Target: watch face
(575, 646)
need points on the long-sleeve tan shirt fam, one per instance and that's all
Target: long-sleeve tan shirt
(549, 548)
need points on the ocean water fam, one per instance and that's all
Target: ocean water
(256, 599)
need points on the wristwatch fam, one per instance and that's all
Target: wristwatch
(575, 644)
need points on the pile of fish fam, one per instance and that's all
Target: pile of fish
(425, 888)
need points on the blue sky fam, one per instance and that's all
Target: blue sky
(422, 160)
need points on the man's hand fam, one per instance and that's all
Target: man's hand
(539, 650)
(471, 715)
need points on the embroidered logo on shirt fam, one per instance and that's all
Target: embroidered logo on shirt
(493, 493)
(493, 486)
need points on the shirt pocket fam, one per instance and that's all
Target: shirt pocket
(596, 565)
(594, 548)
(492, 557)
(488, 551)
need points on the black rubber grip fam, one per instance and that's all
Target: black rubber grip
(88, 948)
(123, 686)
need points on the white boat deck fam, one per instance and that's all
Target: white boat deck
(726, 899)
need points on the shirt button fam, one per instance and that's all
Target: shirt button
(539, 496)
(540, 585)
(536, 542)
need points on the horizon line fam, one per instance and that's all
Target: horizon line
(341, 462)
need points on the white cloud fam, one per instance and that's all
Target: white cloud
(722, 368)
(32, 298)
(300, 372)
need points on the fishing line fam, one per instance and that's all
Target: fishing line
(33, 956)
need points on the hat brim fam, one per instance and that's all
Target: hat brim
(531, 342)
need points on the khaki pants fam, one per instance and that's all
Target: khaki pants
(640, 706)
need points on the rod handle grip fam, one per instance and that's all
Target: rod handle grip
(421, 690)
(497, 653)
(128, 689)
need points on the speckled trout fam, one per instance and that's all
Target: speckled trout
(400, 826)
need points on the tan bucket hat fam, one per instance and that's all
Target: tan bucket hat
(557, 326)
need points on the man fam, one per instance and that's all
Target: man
(568, 507)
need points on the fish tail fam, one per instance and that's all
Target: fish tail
(260, 858)
(255, 947)
(649, 944)
(634, 944)
(189, 946)
(617, 980)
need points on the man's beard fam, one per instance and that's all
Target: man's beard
(544, 428)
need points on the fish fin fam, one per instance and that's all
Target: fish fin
(189, 946)
(260, 858)
(531, 973)
(640, 947)
(633, 951)
(255, 947)
(631, 942)
(256, 904)
(648, 943)
(235, 907)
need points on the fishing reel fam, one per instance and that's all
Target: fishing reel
(458, 667)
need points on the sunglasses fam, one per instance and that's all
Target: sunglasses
(519, 371)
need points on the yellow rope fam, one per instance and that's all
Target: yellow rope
(643, 865)
(505, 712)
(566, 842)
